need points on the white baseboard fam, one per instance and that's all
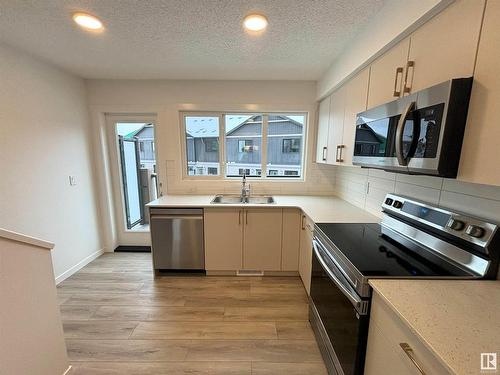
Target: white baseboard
(79, 266)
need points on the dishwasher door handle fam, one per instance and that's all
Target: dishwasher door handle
(174, 217)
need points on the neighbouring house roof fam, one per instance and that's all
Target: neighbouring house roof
(207, 127)
(202, 127)
(147, 128)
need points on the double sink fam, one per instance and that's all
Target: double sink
(237, 199)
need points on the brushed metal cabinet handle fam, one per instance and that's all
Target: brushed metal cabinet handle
(409, 352)
(337, 159)
(399, 71)
(324, 153)
(246, 217)
(303, 222)
(341, 147)
(239, 217)
(409, 64)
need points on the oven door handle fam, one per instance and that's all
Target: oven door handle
(360, 305)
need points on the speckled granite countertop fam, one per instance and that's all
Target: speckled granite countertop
(456, 320)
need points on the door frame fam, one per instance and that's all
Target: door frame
(118, 195)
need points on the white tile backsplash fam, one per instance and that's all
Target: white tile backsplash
(367, 188)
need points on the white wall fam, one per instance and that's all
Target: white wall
(44, 138)
(396, 19)
(166, 98)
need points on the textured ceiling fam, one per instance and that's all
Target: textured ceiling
(186, 39)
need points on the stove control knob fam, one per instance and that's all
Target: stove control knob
(397, 204)
(389, 201)
(475, 231)
(456, 224)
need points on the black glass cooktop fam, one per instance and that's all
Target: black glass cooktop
(376, 255)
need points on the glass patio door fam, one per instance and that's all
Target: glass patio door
(132, 191)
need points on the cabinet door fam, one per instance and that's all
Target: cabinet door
(322, 133)
(356, 92)
(479, 158)
(290, 239)
(336, 127)
(223, 238)
(385, 78)
(262, 239)
(445, 47)
(305, 259)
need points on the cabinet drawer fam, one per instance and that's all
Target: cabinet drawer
(396, 333)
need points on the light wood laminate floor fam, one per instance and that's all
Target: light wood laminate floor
(119, 319)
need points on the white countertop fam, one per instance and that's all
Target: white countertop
(318, 209)
(14, 236)
(456, 320)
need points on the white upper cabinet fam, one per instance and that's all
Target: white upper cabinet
(322, 134)
(336, 128)
(356, 91)
(445, 47)
(479, 161)
(387, 75)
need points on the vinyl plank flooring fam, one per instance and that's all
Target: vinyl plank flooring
(266, 368)
(294, 330)
(74, 287)
(122, 299)
(165, 368)
(248, 301)
(164, 313)
(77, 312)
(127, 350)
(98, 329)
(112, 277)
(118, 318)
(254, 350)
(205, 330)
(299, 312)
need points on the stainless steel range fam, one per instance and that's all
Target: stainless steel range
(414, 240)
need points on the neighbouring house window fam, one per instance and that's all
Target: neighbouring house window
(211, 145)
(202, 145)
(242, 144)
(291, 145)
(245, 145)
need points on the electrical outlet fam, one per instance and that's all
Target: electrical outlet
(72, 180)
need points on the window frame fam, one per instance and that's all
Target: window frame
(222, 140)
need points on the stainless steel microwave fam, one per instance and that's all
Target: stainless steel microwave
(421, 133)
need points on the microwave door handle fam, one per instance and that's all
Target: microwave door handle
(355, 300)
(400, 133)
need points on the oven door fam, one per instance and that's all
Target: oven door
(338, 315)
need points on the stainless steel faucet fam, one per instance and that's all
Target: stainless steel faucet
(245, 189)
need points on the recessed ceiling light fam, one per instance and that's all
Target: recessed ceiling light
(255, 22)
(87, 21)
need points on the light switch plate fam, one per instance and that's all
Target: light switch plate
(72, 180)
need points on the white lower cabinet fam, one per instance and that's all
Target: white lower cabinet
(305, 257)
(223, 229)
(262, 239)
(393, 348)
(244, 239)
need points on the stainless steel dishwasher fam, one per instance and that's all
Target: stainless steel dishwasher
(177, 239)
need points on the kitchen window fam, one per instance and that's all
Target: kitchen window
(259, 145)
(202, 145)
